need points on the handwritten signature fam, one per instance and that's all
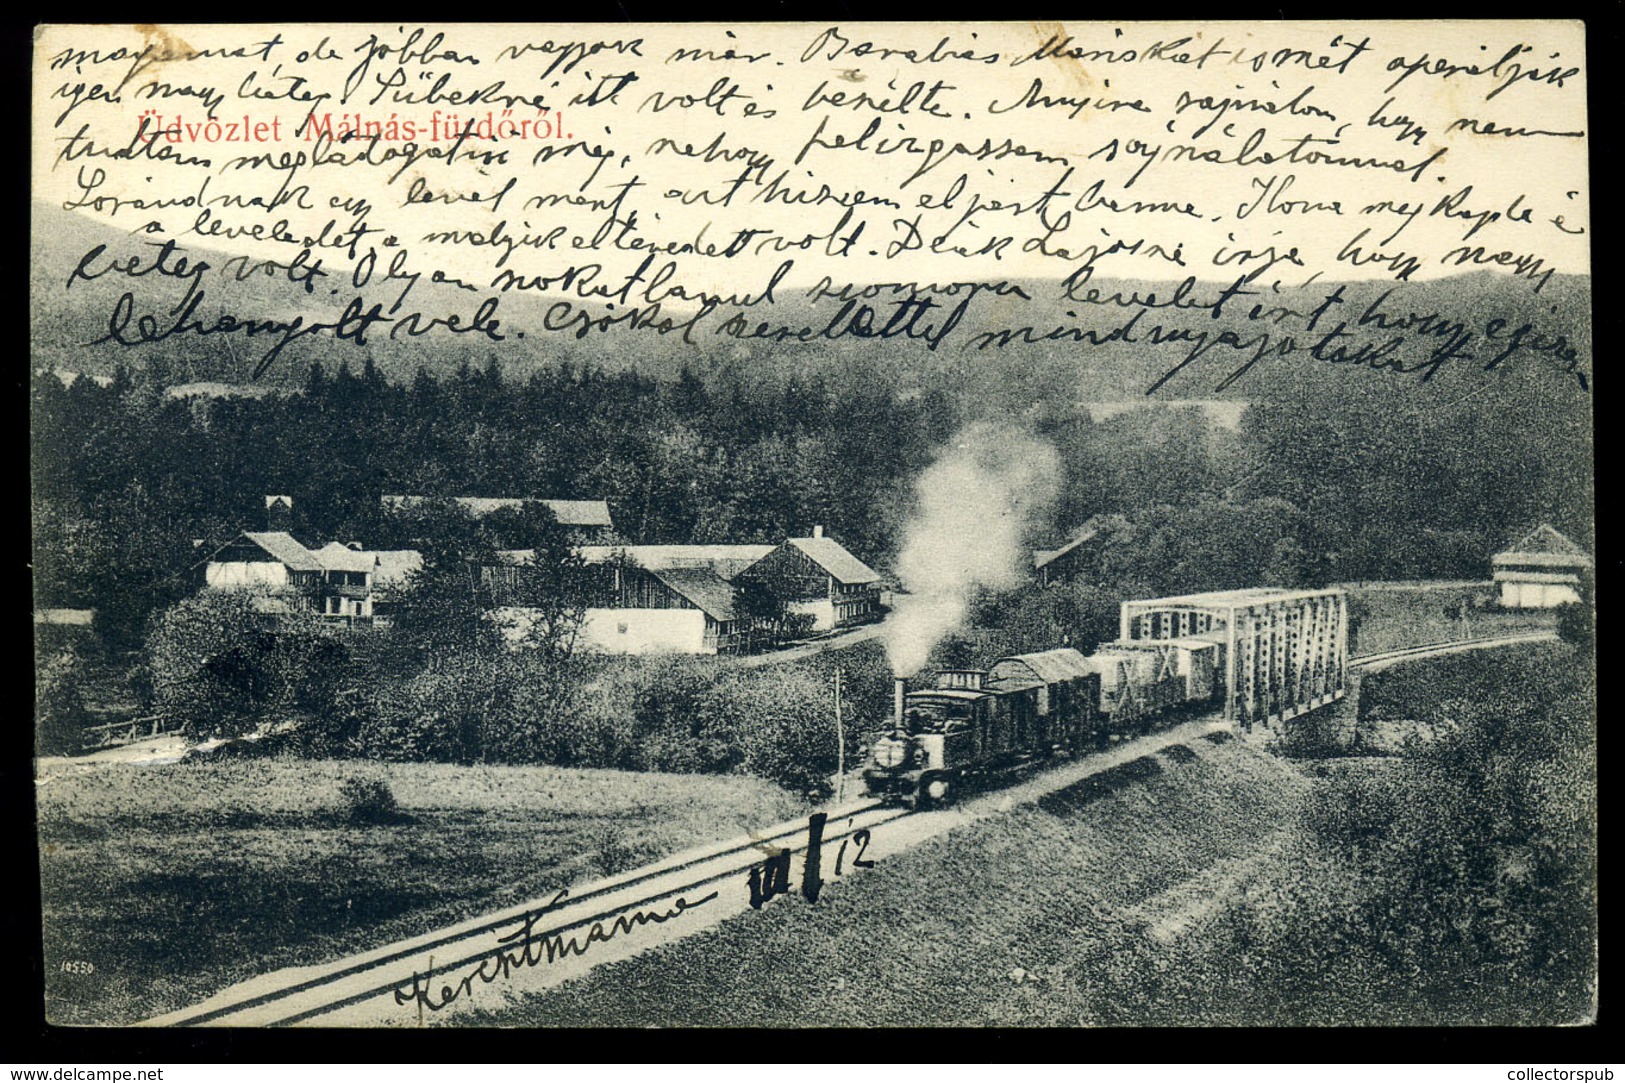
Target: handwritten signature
(524, 948)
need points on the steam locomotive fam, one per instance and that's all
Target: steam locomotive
(1027, 706)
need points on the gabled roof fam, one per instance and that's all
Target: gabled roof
(284, 547)
(389, 579)
(832, 556)
(1544, 547)
(83, 618)
(702, 586)
(1060, 664)
(1044, 557)
(593, 513)
(341, 558)
(394, 565)
(725, 560)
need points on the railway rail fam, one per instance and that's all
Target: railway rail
(1449, 646)
(369, 987)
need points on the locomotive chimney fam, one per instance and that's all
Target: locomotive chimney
(899, 689)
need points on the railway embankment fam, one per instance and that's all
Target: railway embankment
(984, 925)
(1214, 882)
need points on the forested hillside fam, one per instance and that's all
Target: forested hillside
(1401, 481)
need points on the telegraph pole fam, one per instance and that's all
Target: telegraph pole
(840, 742)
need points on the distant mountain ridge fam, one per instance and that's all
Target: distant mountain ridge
(64, 321)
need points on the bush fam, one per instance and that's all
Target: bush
(1576, 624)
(611, 853)
(775, 722)
(432, 716)
(370, 801)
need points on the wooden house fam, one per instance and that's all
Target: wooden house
(1543, 570)
(333, 582)
(817, 576)
(668, 610)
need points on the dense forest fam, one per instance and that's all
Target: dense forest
(132, 485)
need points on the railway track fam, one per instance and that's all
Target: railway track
(383, 985)
(325, 994)
(1455, 646)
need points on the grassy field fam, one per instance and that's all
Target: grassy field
(1395, 616)
(1211, 884)
(173, 882)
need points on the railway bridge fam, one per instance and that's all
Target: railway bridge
(1284, 652)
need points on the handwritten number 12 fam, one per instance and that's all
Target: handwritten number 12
(772, 877)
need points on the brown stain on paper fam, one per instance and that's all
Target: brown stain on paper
(1072, 71)
(164, 45)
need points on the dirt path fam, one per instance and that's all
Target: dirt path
(839, 641)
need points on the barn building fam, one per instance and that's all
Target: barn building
(818, 577)
(1283, 652)
(655, 599)
(682, 610)
(588, 520)
(1543, 570)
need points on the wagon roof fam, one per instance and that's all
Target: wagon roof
(948, 693)
(1060, 664)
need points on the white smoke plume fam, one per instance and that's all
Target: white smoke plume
(977, 505)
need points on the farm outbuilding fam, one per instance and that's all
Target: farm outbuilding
(1543, 570)
(1285, 652)
(665, 610)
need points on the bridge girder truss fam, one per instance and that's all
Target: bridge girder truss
(1286, 652)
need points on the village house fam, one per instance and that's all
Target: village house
(334, 582)
(675, 599)
(818, 577)
(1542, 571)
(684, 610)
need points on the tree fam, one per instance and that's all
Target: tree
(59, 708)
(491, 619)
(231, 661)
